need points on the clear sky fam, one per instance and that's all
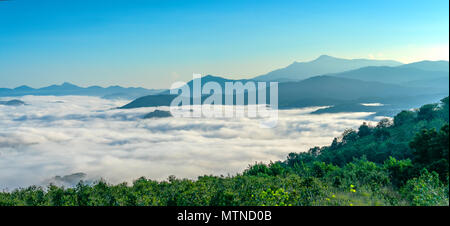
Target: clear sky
(154, 43)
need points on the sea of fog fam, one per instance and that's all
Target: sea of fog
(53, 136)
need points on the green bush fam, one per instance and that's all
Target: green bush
(426, 190)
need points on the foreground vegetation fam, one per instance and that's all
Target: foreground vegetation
(399, 162)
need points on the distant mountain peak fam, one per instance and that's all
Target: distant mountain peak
(210, 76)
(68, 84)
(114, 87)
(324, 57)
(23, 88)
(324, 64)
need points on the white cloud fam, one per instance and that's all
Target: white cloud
(64, 135)
(372, 104)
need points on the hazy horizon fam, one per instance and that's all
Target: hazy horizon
(188, 79)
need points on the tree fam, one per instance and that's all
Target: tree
(381, 130)
(431, 150)
(427, 112)
(426, 190)
(444, 107)
(400, 171)
(443, 138)
(349, 135)
(381, 133)
(315, 151)
(334, 144)
(384, 123)
(426, 149)
(364, 130)
(257, 170)
(404, 117)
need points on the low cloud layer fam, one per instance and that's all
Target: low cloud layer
(64, 135)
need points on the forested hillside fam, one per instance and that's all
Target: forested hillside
(398, 162)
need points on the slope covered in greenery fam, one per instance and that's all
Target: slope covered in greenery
(398, 162)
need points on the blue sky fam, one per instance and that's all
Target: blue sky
(154, 43)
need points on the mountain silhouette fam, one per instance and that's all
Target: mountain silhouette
(322, 65)
(398, 85)
(315, 91)
(427, 65)
(12, 103)
(395, 75)
(111, 92)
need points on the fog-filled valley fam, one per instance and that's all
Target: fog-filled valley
(55, 136)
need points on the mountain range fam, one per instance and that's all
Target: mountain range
(112, 92)
(326, 81)
(322, 65)
(318, 91)
(395, 75)
(398, 85)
